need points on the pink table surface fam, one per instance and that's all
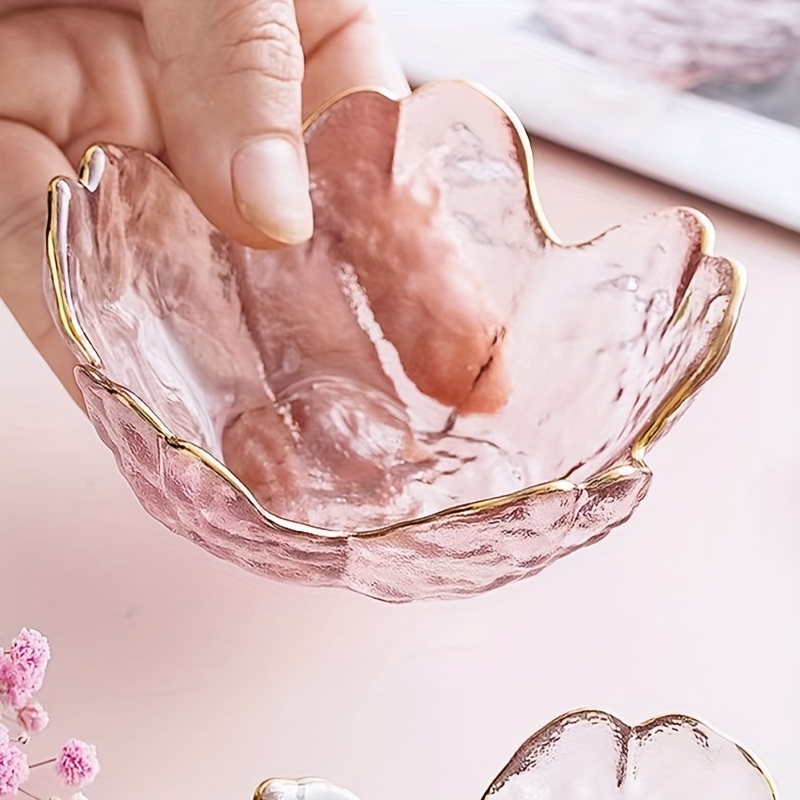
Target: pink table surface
(198, 680)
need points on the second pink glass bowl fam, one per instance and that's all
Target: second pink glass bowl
(592, 755)
(431, 398)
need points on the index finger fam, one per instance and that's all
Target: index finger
(345, 47)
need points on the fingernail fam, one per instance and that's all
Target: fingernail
(271, 189)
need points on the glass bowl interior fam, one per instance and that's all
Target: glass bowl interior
(433, 345)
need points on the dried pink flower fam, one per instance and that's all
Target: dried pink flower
(4, 735)
(33, 718)
(30, 651)
(77, 763)
(11, 684)
(22, 668)
(14, 769)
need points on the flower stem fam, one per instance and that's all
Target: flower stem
(43, 763)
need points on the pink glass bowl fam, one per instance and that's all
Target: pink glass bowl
(432, 398)
(590, 754)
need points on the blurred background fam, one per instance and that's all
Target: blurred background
(701, 94)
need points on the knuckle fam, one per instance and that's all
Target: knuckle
(263, 38)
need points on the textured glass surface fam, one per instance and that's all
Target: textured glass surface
(591, 755)
(431, 348)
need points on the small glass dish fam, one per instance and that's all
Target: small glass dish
(591, 754)
(431, 398)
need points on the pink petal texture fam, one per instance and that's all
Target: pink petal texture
(590, 754)
(30, 651)
(77, 764)
(431, 398)
(14, 769)
(22, 668)
(33, 718)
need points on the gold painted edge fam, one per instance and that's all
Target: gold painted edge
(144, 412)
(526, 162)
(90, 173)
(718, 349)
(58, 197)
(751, 758)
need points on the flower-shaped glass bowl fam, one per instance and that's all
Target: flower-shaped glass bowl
(433, 397)
(591, 754)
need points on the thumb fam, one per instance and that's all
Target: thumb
(229, 97)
